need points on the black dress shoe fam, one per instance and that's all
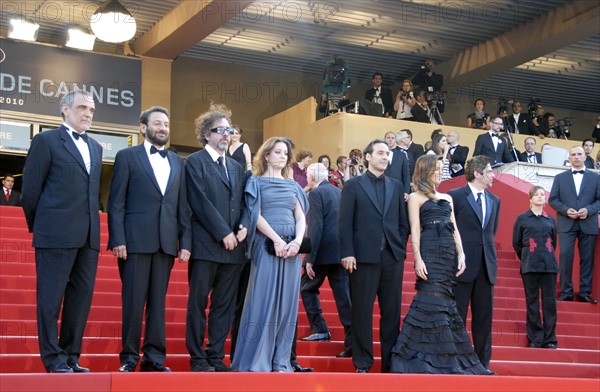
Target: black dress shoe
(489, 372)
(299, 369)
(219, 366)
(553, 346)
(62, 368)
(78, 369)
(362, 370)
(347, 353)
(565, 298)
(318, 336)
(587, 299)
(127, 367)
(534, 345)
(153, 367)
(202, 366)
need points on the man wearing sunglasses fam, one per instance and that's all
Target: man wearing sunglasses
(215, 185)
(492, 145)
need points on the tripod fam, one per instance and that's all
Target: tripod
(512, 144)
(434, 110)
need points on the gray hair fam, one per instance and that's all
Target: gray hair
(318, 172)
(69, 98)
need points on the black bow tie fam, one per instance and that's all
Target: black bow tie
(83, 136)
(530, 155)
(577, 172)
(494, 135)
(163, 153)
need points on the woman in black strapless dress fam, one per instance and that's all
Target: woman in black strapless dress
(433, 338)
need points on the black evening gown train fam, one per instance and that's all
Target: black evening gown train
(433, 338)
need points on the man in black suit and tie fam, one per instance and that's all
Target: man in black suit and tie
(398, 165)
(61, 184)
(421, 111)
(149, 225)
(529, 155)
(477, 214)
(493, 145)
(381, 95)
(9, 196)
(373, 228)
(412, 150)
(458, 154)
(521, 122)
(324, 259)
(575, 196)
(216, 189)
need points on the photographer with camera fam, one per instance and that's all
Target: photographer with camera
(405, 100)
(354, 168)
(427, 79)
(421, 111)
(479, 119)
(520, 123)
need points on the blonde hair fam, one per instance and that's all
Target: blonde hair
(425, 165)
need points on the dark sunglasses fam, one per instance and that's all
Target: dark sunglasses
(222, 130)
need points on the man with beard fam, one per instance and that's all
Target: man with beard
(149, 225)
(216, 186)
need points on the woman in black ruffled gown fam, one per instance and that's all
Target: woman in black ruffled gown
(433, 338)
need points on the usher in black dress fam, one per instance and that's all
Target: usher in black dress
(433, 338)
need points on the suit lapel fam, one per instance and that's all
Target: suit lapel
(174, 171)
(365, 183)
(70, 146)
(142, 157)
(213, 167)
(489, 205)
(473, 203)
(389, 192)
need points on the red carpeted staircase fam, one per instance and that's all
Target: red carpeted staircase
(578, 330)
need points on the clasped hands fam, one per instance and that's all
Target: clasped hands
(574, 214)
(232, 240)
(284, 250)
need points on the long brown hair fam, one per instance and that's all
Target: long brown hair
(260, 165)
(425, 165)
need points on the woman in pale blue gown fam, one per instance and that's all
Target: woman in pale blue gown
(277, 207)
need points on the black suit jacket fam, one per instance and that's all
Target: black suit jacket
(420, 115)
(523, 157)
(217, 207)
(485, 146)
(460, 157)
(322, 218)
(386, 98)
(399, 168)
(139, 216)
(59, 197)
(478, 243)
(362, 224)
(524, 123)
(13, 200)
(563, 197)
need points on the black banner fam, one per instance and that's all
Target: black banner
(34, 78)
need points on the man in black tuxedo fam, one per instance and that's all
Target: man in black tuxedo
(9, 197)
(215, 186)
(398, 165)
(421, 111)
(588, 148)
(61, 184)
(529, 155)
(324, 259)
(381, 95)
(458, 154)
(575, 196)
(149, 225)
(477, 213)
(521, 122)
(373, 229)
(492, 145)
(412, 150)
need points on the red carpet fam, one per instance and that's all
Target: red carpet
(574, 366)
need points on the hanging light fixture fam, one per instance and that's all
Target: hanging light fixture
(113, 23)
(80, 38)
(21, 28)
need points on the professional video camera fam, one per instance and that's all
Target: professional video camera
(426, 68)
(354, 160)
(435, 97)
(532, 106)
(562, 126)
(503, 104)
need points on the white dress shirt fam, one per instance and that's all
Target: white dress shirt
(475, 191)
(160, 166)
(83, 148)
